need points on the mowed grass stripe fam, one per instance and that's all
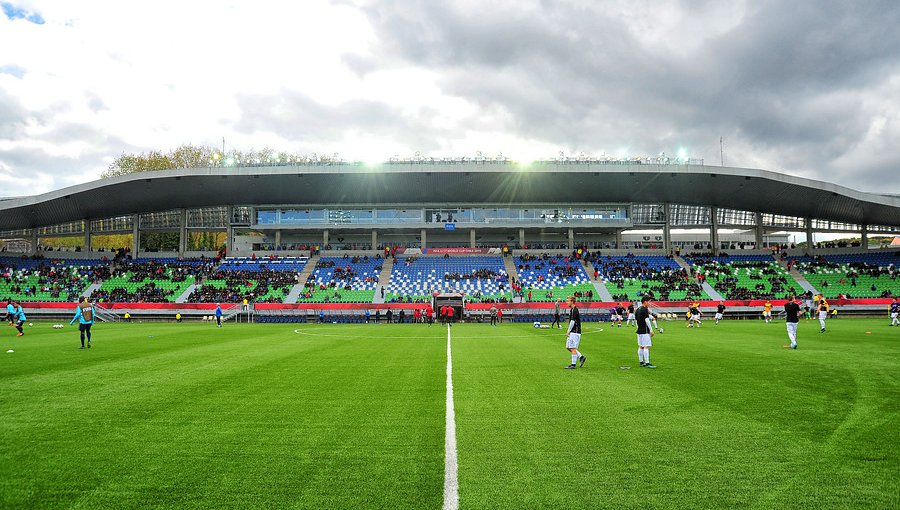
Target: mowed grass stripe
(248, 416)
(730, 419)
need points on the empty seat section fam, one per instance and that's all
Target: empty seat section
(479, 277)
(343, 280)
(550, 278)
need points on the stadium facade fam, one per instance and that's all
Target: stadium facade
(425, 204)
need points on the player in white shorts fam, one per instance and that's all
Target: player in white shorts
(630, 320)
(895, 312)
(573, 334)
(720, 311)
(823, 311)
(644, 333)
(792, 320)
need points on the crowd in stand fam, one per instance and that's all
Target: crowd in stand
(254, 286)
(857, 269)
(149, 293)
(656, 282)
(727, 284)
(477, 274)
(54, 277)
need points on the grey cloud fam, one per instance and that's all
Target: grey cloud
(12, 116)
(788, 80)
(296, 116)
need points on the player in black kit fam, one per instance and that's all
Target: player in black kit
(573, 334)
(644, 332)
(792, 319)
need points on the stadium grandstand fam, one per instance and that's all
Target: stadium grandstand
(351, 236)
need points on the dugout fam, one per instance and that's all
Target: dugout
(454, 299)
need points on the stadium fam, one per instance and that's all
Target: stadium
(606, 226)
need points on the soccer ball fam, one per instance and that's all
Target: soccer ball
(31, 324)
(537, 324)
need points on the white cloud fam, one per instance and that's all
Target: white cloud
(100, 78)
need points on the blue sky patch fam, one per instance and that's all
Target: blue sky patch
(13, 70)
(13, 12)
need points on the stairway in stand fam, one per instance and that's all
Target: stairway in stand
(384, 279)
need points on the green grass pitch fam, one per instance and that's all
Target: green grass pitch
(352, 416)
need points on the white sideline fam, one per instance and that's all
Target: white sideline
(451, 483)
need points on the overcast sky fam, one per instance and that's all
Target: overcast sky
(810, 88)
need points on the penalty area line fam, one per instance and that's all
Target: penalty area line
(451, 482)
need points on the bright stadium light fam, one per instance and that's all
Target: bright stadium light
(682, 153)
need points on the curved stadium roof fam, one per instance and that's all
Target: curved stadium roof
(438, 183)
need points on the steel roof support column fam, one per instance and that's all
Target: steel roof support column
(472, 238)
(423, 240)
(809, 236)
(229, 230)
(571, 239)
(865, 237)
(759, 231)
(521, 237)
(277, 239)
(374, 239)
(182, 232)
(34, 241)
(667, 229)
(618, 239)
(325, 239)
(714, 230)
(87, 235)
(135, 236)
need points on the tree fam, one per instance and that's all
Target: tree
(198, 156)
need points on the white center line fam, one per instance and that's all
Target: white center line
(451, 482)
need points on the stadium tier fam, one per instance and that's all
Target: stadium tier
(630, 277)
(747, 276)
(343, 280)
(852, 275)
(481, 278)
(551, 278)
(160, 280)
(48, 279)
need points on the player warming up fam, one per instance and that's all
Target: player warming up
(895, 313)
(792, 319)
(573, 334)
(84, 314)
(720, 311)
(823, 311)
(19, 318)
(767, 312)
(644, 332)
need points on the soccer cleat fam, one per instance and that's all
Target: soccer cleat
(20, 334)
(582, 360)
(82, 347)
(572, 366)
(649, 365)
(794, 346)
(89, 345)
(823, 330)
(642, 363)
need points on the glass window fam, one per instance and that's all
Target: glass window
(266, 217)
